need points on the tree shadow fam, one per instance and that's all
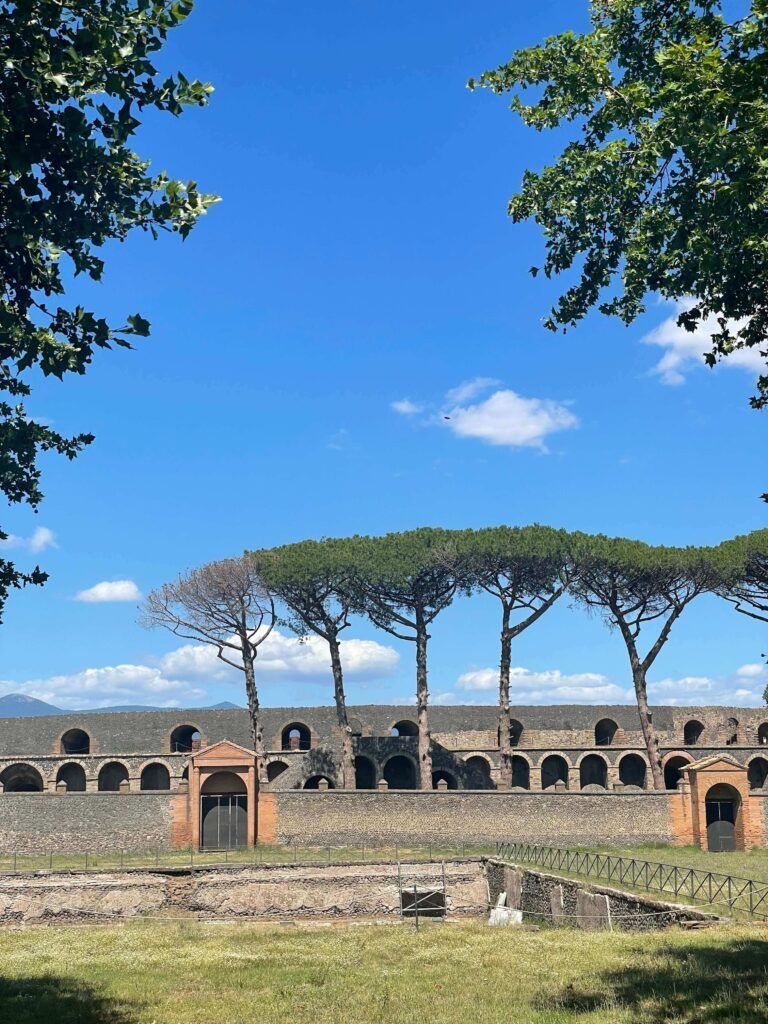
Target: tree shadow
(687, 984)
(48, 999)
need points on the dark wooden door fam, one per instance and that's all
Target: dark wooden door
(721, 825)
(225, 821)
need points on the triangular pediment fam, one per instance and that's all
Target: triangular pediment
(715, 762)
(224, 751)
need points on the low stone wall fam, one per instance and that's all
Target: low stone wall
(264, 892)
(312, 817)
(582, 905)
(92, 822)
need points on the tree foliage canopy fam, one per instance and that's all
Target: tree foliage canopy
(76, 76)
(664, 186)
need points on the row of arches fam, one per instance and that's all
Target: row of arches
(25, 778)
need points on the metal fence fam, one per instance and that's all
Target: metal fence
(692, 884)
(192, 858)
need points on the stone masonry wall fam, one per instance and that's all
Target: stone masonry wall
(91, 822)
(313, 817)
(251, 892)
(582, 905)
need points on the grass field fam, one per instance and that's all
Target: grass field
(747, 864)
(168, 973)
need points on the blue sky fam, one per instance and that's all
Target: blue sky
(361, 259)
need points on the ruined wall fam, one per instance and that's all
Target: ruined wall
(263, 892)
(92, 822)
(311, 817)
(582, 905)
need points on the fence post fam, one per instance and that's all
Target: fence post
(416, 905)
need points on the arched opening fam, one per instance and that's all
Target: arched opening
(593, 771)
(553, 769)
(400, 773)
(515, 733)
(443, 776)
(732, 732)
(75, 741)
(21, 778)
(74, 777)
(673, 771)
(633, 770)
(692, 732)
(275, 769)
(757, 772)
(313, 782)
(223, 812)
(521, 773)
(110, 777)
(605, 730)
(480, 765)
(722, 806)
(185, 774)
(405, 728)
(365, 773)
(762, 734)
(296, 736)
(155, 776)
(355, 727)
(185, 739)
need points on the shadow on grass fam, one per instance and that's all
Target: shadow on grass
(687, 984)
(52, 1000)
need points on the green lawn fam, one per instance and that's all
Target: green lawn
(749, 864)
(459, 973)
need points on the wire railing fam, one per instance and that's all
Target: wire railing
(694, 885)
(191, 857)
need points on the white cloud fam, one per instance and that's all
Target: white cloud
(286, 656)
(752, 671)
(549, 687)
(406, 407)
(109, 590)
(506, 418)
(112, 684)
(40, 539)
(685, 349)
(470, 389)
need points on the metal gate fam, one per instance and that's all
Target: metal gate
(225, 821)
(721, 825)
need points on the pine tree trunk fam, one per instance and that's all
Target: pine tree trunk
(505, 719)
(646, 724)
(422, 701)
(347, 752)
(257, 737)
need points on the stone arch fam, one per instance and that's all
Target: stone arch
(554, 768)
(275, 769)
(521, 772)
(73, 774)
(762, 733)
(481, 764)
(405, 727)
(516, 730)
(693, 730)
(633, 770)
(223, 783)
(111, 774)
(185, 738)
(400, 772)
(296, 736)
(731, 732)
(757, 771)
(441, 775)
(313, 782)
(605, 731)
(365, 773)
(355, 727)
(75, 741)
(21, 778)
(593, 771)
(155, 776)
(673, 764)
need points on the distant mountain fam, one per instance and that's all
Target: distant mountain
(17, 705)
